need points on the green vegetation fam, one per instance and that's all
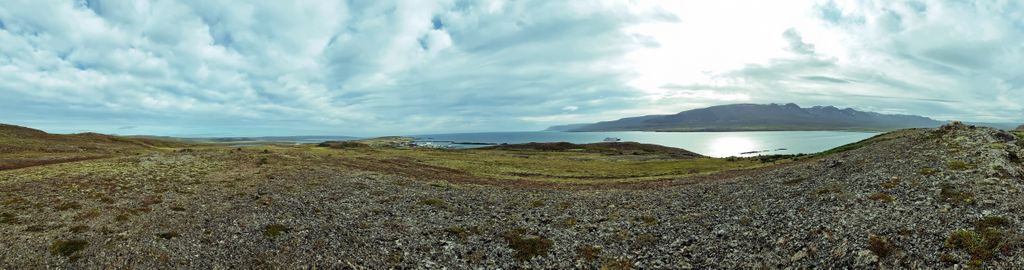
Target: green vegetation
(67, 247)
(527, 247)
(892, 183)
(882, 197)
(8, 218)
(955, 195)
(927, 171)
(857, 145)
(435, 202)
(957, 165)
(617, 264)
(343, 144)
(274, 230)
(648, 220)
(568, 222)
(794, 181)
(880, 246)
(589, 252)
(535, 166)
(78, 229)
(830, 188)
(986, 240)
(68, 206)
(168, 235)
(606, 148)
(22, 147)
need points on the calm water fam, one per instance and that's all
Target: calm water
(715, 144)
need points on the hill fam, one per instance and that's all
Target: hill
(758, 117)
(608, 148)
(24, 147)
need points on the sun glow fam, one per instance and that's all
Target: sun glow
(731, 146)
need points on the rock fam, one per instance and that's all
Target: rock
(798, 256)
(866, 258)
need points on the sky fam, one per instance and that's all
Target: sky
(366, 68)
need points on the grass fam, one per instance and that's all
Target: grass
(67, 248)
(527, 248)
(988, 238)
(168, 235)
(274, 230)
(857, 145)
(589, 252)
(648, 220)
(343, 144)
(8, 218)
(880, 246)
(68, 206)
(542, 166)
(882, 197)
(892, 183)
(957, 165)
(830, 188)
(956, 195)
(435, 202)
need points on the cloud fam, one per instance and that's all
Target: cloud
(380, 67)
(407, 67)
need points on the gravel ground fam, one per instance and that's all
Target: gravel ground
(927, 198)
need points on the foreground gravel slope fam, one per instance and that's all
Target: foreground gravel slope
(911, 199)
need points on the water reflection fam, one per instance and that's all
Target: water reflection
(731, 146)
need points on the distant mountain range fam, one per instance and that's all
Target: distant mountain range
(760, 117)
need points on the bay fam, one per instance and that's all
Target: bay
(714, 144)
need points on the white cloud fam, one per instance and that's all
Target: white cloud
(401, 67)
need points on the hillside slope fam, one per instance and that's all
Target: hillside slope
(755, 117)
(23, 147)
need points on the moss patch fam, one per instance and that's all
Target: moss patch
(274, 230)
(882, 197)
(956, 195)
(985, 241)
(527, 247)
(957, 165)
(168, 235)
(67, 247)
(435, 202)
(880, 246)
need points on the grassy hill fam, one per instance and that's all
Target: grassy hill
(24, 147)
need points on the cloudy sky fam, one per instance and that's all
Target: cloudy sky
(245, 68)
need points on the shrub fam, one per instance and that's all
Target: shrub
(527, 247)
(880, 246)
(648, 220)
(952, 194)
(986, 240)
(168, 235)
(67, 247)
(343, 144)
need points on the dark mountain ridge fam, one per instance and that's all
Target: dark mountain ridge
(763, 117)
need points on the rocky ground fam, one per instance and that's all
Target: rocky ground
(924, 198)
